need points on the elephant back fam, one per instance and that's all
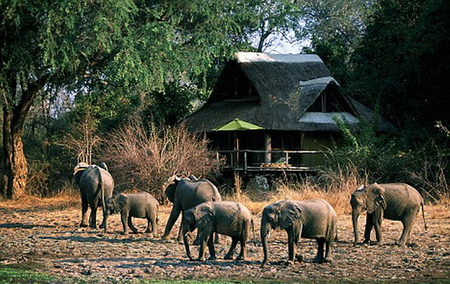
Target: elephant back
(192, 193)
(319, 219)
(94, 179)
(231, 217)
(401, 198)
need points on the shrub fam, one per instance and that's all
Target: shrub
(145, 158)
(417, 158)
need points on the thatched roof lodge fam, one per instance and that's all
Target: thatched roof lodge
(293, 98)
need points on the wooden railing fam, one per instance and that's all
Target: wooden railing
(277, 160)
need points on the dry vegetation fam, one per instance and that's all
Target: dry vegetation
(44, 234)
(145, 158)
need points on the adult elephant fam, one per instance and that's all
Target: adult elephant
(314, 219)
(393, 201)
(96, 186)
(184, 194)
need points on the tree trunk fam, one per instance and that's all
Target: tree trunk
(14, 178)
(15, 111)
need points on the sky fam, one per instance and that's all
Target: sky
(282, 45)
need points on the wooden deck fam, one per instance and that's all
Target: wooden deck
(255, 161)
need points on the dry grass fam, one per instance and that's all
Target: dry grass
(334, 187)
(256, 201)
(28, 201)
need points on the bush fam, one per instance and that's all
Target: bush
(417, 158)
(145, 158)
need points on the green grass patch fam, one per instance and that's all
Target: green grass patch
(14, 275)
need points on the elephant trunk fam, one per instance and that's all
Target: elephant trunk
(265, 229)
(355, 217)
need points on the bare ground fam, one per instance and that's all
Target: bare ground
(45, 236)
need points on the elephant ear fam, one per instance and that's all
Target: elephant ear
(375, 198)
(78, 171)
(170, 190)
(122, 201)
(203, 215)
(103, 166)
(293, 213)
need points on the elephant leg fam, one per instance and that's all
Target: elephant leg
(407, 222)
(180, 231)
(328, 252)
(130, 224)
(368, 229)
(93, 217)
(291, 246)
(104, 224)
(172, 219)
(84, 209)
(212, 250)
(243, 254)
(149, 225)
(230, 253)
(377, 225)
(201, 251)
(124, 219)
(99, 205)
(320, 250)
(155, 225)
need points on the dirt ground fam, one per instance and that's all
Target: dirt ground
(45, 235)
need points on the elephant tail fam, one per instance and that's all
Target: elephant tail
(423, 216)
(101, 187)
(253, 229)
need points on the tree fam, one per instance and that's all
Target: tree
(111, 51)
(335, 29)
(268, 21)
(403, 62)
(43, 43)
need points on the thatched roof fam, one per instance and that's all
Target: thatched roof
(276, 91)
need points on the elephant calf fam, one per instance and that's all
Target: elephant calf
(314, 219)
(139, 205)
(224, 217)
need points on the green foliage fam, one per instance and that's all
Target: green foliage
(422, 163)
(109, 60)
(335, 28)
(403, 61)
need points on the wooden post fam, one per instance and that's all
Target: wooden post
(268, 147)
(245, 161)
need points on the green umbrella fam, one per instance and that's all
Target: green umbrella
(237, 124)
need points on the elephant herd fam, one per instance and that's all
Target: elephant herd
(202, 208)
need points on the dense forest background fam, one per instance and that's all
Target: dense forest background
(111, 80)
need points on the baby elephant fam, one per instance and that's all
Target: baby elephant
(139, 205)
(224, 217)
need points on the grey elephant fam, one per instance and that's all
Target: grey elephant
(138, 205)
(186, 193)
(314, 219)
(96, 185)
(393, 201)
(224, 217)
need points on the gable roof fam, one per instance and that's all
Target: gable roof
(275, 91)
